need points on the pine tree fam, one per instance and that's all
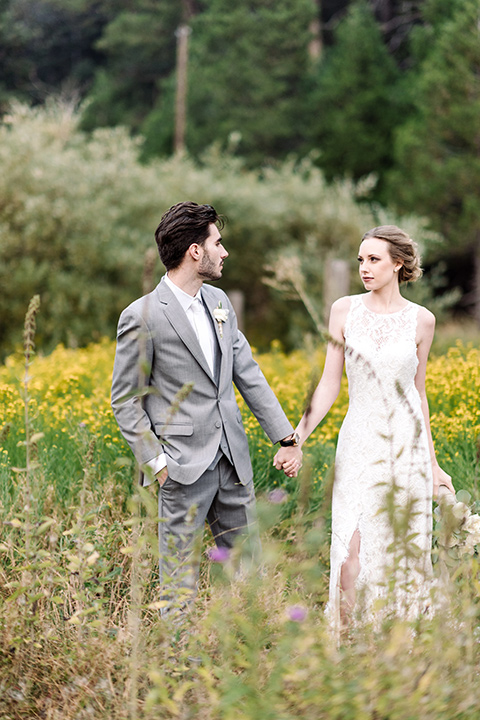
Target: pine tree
(48, 47)
(438, 149)
(139, 45)
(247, 65)
(357, 101)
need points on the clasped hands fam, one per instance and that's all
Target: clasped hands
(288, 459)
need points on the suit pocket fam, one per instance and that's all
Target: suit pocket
(173, 429)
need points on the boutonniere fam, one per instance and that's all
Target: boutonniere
(221, 315)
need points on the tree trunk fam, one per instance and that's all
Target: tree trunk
(385, 10)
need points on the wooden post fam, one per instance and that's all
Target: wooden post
(336, 283)
(182, 34)
(237, 298)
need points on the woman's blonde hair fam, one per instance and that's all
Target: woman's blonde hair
(401, 249)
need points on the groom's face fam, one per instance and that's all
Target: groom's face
(213, 257)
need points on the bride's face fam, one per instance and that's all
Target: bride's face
(376, 267)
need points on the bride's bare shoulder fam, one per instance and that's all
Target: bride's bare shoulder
(425, 326)
(338, 316)
(342, 305)
(426, 317)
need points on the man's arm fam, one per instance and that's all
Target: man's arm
(255, 389)
(131, 373)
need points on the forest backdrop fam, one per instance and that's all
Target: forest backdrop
(306, 123)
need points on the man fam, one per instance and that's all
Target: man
(186, 331)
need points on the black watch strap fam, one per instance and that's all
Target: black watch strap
(293, 442)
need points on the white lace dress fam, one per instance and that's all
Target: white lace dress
(382, 445)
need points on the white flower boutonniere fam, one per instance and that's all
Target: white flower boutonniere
(221, 315)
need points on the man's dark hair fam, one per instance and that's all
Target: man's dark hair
(183, 224)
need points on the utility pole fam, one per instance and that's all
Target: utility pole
(182, 34)
(315, 47)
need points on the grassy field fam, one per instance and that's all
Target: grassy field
(80, 633)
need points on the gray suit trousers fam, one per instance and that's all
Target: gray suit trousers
(217, 496)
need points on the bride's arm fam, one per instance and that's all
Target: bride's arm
(426, 329)
(325, 393)
(328, 388)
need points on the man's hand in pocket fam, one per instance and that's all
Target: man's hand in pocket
(162, 476)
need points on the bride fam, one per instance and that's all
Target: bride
(385, 466)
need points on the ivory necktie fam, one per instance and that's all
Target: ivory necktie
(204, 331)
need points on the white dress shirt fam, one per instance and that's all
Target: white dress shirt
(197, 316)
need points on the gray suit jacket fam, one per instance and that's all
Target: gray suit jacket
(156, 327)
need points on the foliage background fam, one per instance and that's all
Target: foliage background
(79, 210)
(345, 122)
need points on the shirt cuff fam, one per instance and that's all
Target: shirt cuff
(155, 465)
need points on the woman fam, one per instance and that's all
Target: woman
(385, 456)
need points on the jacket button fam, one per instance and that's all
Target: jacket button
(218, 424)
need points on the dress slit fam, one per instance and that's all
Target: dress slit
(336, 606)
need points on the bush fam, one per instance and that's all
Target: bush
(78, 211)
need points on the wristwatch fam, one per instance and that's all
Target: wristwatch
(293, 442)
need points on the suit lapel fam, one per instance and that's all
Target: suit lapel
(211, 301)
(177, 318)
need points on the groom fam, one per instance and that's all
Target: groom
(186, 332)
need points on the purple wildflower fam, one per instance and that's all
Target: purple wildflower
(277, 496)
(297, 613)
(219, 554)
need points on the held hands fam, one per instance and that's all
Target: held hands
(288, 459)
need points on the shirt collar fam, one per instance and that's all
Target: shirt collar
(183, 298)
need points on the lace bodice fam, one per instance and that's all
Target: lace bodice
(380, 352)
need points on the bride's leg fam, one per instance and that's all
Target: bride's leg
(348, 575)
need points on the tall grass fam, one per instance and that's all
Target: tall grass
(80, 631)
